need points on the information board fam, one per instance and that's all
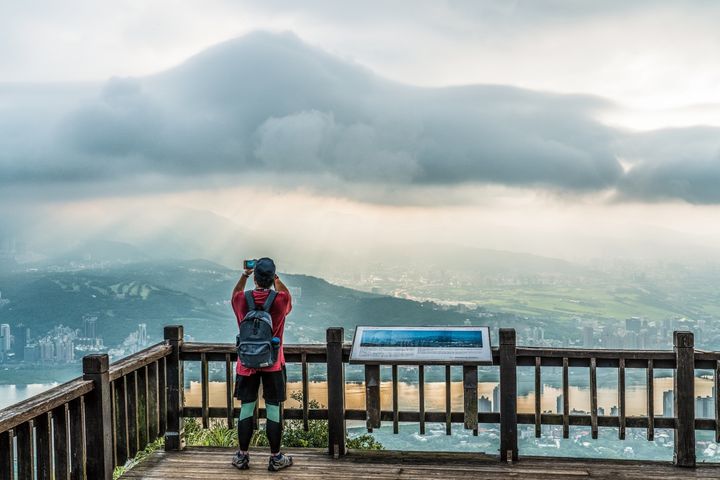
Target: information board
(410, 345)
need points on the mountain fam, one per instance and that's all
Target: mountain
(193, 293)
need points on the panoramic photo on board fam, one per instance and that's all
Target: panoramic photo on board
(428, 237)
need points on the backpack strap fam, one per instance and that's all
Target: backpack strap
(270, 300)
(250, 300)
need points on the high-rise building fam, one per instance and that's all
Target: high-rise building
(485, 404)
(496, 399)
(22, 336)
(704, 407)
(559, 404)
(5, 338)
(633, 324)
(668, 403)
(142, 335)
(89, 324)
(31, 353)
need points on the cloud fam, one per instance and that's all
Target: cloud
(270, 104)
(682, 163)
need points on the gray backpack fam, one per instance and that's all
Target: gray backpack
(254, 343)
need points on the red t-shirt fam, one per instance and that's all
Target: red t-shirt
(279, 310)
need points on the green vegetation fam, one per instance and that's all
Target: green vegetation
(294, 435)
(219, 435)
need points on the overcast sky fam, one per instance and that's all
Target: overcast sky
(553, 117)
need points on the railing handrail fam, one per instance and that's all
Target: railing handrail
(124, 392)
(139, 360)
(44, 402)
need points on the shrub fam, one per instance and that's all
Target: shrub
(294, 435)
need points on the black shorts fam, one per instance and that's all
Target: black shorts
(246, 387)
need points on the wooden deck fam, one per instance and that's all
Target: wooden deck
(214, 463)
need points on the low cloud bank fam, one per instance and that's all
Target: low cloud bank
(270, 104)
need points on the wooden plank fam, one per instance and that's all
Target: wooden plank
(684, 399)
(142, 410)
(621, 398)
(421, 397)
(204, 390)
(336, 391)
(98, 424)
(717, 401)
(650, 401)
(395, 406)
(152, 402)
(139, 360)
(7, 462)
(538, 397)
(25, 451)
(305, 390)
(229, 391)
(61, 448)
(44, 402)
(566, 399)
(593, 400)
(508, 396)
(372, 396)
(175, 433)
(77, 438)
(43, 446)
(131, 395)
(448, 402)
(470, 397)
(121, 427)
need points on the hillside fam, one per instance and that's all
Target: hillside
(193, 293)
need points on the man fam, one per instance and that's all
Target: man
(247, 380)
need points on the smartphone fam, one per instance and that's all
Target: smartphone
(249, 264)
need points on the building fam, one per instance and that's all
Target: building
(31, 353)
(142, 335)
(601, 411)
(667, 403)
(5, 338)
(22, 337)
(485, 404)
(704, 407)
(559, 404)
(496, 399)
(89, 324)
(588, 336)
(633, 324)
(614, 411)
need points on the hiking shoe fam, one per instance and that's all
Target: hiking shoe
(240, 461)
(279, 462)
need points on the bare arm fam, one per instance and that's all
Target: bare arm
(240, 286)
(280, 286)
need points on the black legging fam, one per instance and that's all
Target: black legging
(273, 430)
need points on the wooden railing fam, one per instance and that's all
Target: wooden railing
(86, 427)
(683, 360)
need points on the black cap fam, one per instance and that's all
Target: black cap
(264, 269)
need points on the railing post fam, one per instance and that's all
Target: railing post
(508, 396)
(336, 391)
(175, 429)
(98, 420)
(684, 398)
